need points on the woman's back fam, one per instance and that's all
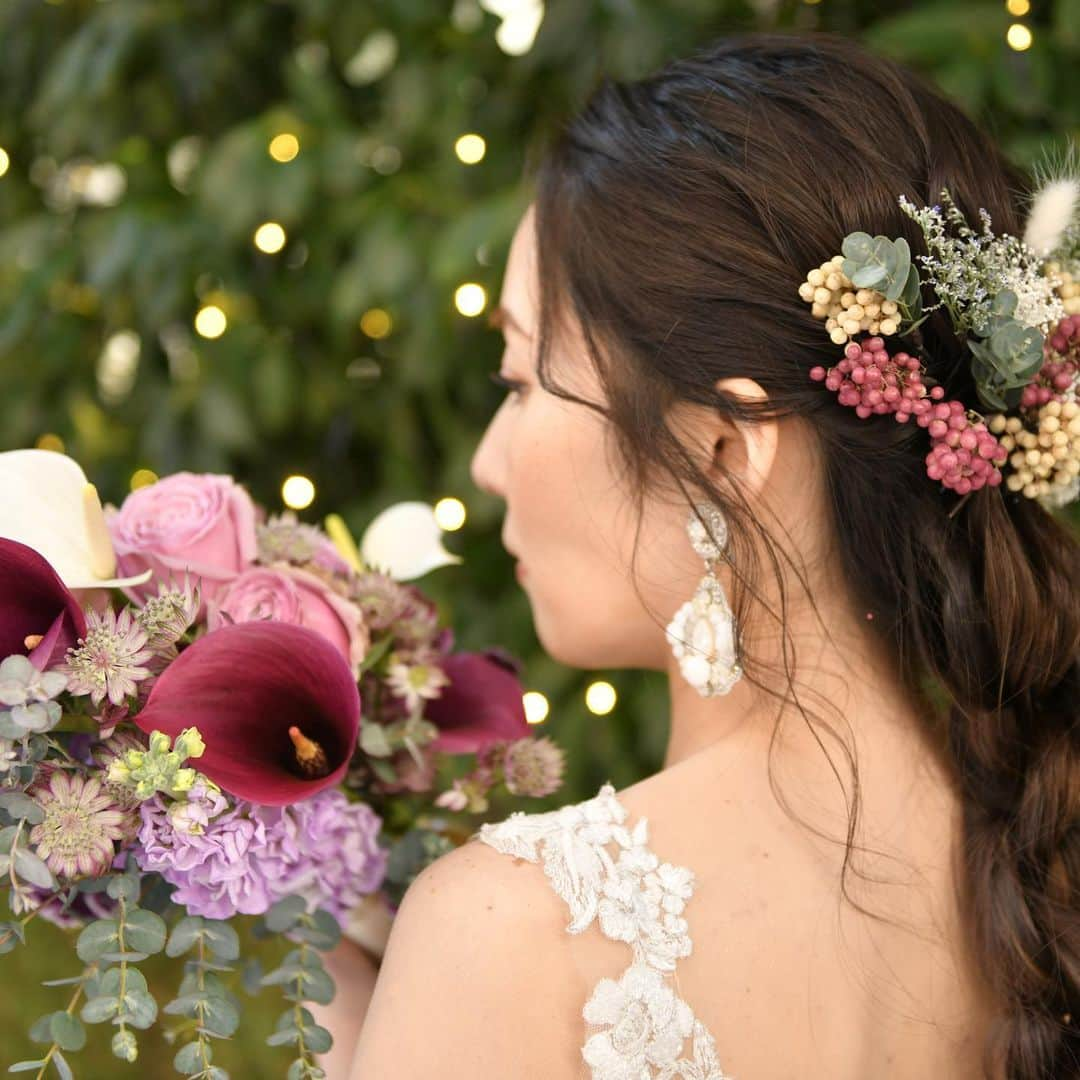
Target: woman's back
(788, 978)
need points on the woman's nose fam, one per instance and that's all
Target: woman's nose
(486, 466)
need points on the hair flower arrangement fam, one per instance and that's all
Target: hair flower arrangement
(1016, 303)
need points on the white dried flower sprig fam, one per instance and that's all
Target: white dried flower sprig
(968, 269)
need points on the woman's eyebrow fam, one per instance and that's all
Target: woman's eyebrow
(501, 317)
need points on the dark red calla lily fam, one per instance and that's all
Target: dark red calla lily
(244, 686)
(34, 601)
(483, 704)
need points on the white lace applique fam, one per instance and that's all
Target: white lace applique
(642, 1023)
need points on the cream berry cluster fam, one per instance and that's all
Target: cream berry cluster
(964, 454)
(1044, 443)
(1068, 289)
(847, 310)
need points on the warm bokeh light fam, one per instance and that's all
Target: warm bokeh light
(521, 20)
(470, 148)
(600, 698)
(270, 237)
(450, 514)
(1019, 37)
(49, 441)
(470, 298)
(1017, 7)
(536, 706)
(210, 321)
(297, 492)
(5, 161)
(143, 478)
(376, 323)
(284, 147)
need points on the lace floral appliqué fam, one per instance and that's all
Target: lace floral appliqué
(642, 1023)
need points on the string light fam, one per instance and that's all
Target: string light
(210, 321)
(450, 514)
(376, 323)
(470, 298)
(536, 706)
(270, 237)
(284, 147)
(1019, 37)
(1018, 8)
(5, 161)
(49, 441)
(470, 148)
(600, 698)
(143, 478)
(297, 492)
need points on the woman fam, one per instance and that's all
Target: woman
(868, 821)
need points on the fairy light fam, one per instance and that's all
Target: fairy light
(536, 706)
(450, 514)
(1019, 37)
(284, 147)
(297, 492)
(5, 161)
(600, 698)
(49, 441)
(143, 478)
(210, 321)
(470, 148)
(470, 298)
(270, 237)
(1019, 8)
(376, 323)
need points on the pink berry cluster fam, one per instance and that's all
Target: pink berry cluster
(1059, 372)
(964, 455)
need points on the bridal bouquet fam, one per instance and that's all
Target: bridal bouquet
(207, 713)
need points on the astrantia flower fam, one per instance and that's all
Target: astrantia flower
(533, 766)
(81, 825)
(167, 616)
(282, 538)
(416, 683)
(110, 660)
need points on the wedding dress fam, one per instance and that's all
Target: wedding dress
(636, 1027)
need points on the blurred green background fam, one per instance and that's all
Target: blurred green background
(232, 236)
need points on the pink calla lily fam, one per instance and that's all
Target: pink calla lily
(483, 704)
(34, 602)
(248, 687)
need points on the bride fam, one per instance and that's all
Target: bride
(866, 823)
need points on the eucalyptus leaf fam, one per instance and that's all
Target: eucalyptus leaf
(19, 805)
(185, 934)
(97, 939)
(25, 1066)
(32, 868)
(317, 1039)
(141, 1008)
(285, 914)
(189, 1058)
(222, 939)
(145, 931)
(220, 1016)
(125, 1046)
(319, 987)
(99, 1009)
(67, 1031)
(283, 1038)
(373, 740)
(60, 1064)
(123, 886)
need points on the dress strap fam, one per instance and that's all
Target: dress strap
(606, 874)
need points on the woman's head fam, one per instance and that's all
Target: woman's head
(658, 273)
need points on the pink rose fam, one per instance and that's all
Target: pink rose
(290, 595)
(204, 523)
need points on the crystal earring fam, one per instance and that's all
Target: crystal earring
(702, 633)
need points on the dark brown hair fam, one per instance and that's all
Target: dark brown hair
(676, 217)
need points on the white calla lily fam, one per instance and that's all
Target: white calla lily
(405, 541)
(48, 504)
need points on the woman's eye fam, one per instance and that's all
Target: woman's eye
(511, 386)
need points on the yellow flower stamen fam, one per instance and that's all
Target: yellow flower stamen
(310, 756)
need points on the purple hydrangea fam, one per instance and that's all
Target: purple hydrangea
(241, 860)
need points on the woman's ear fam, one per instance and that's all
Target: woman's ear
(742, 449)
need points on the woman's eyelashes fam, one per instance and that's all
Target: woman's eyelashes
(511, 386)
